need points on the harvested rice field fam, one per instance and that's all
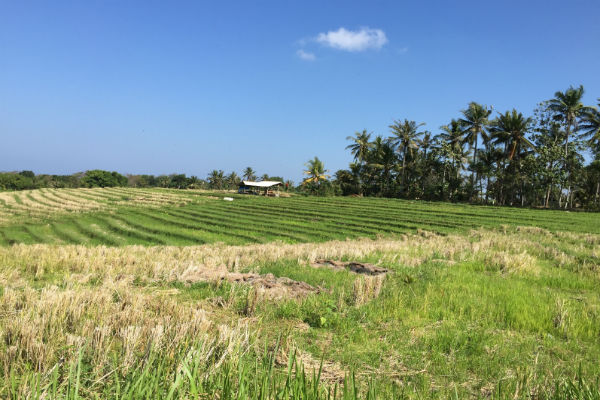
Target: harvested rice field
(157, 294)
(125, 216)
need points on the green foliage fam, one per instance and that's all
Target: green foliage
(100, 178)
(10, 181)
(535, 162)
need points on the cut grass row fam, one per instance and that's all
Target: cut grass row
(477, 215)
(248, 219)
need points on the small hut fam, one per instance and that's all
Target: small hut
(264, 188)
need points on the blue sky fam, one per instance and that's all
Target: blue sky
(164, 87)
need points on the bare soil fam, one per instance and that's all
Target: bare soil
(268, 284)
(352, 266)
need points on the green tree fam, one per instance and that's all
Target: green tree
(425, 143)
(100, 178)
(404, 137)
(453, 135)
(510, 129)
(361, 146)
(590, 127)
(474, 123)
(232, 180)
(568, 108)
(249, 174)
(383, 161)
(216, 179)
(178, 181)
(315, 169)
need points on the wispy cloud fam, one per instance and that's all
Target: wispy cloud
(360, 40)
(306, 55)
(403, 50)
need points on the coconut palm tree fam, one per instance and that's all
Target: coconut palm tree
(453, 135)
(487, 162)
(216, 179)
(404, 137)
(249, 174)
(316, 171)
(511, 129)
(361, 146)
(568, 108)
(383, 160)
(232, 180)
(425, 143)
(474, 124)
(590, 127)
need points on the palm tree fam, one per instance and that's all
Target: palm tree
(383, 159)
(216, 178)
(249, 174)
(511, 129)
(404, 136)
(487, 161)
(591, 127)
(474, 124)
(361, 146)
(568, 108)
(453, 135)
(315, 171)
(425, 143)
(232, 180)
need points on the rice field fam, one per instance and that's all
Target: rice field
(165, 294)
(125, 216)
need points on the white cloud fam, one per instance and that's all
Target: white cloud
(360, 40)
(305, 55)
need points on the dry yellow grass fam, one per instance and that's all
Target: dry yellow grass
(91, 295)
(511, 253)
(44, 203)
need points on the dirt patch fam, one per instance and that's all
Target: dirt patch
(276, 287)
(268, 285)
(352, 266)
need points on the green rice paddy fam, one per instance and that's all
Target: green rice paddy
(119, 216)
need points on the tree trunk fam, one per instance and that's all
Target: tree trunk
(548, 195)
(473, 173)
(568, 132)
(443, 181)
(403, 170)
(597, 192)
(480, 184)
(560, 196)
(567, 198)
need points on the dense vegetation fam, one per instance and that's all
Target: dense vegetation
(476, 302)
(216, 179)
(509, 159)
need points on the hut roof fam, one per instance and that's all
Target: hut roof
(261, 184)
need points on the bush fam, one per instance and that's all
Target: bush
(99, 178)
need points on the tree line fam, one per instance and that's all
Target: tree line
(485, 157)
(216, 180)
